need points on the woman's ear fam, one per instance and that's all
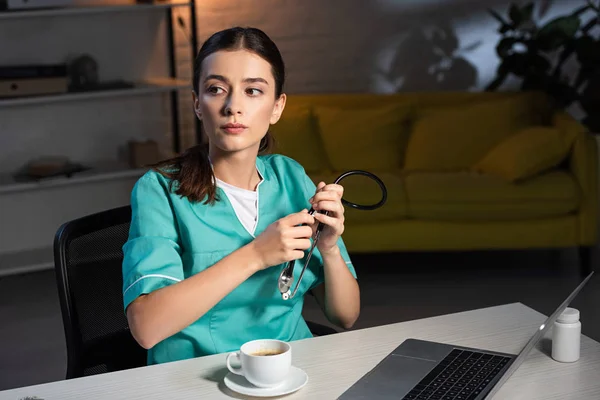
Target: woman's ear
(197, 106)
(278, 109)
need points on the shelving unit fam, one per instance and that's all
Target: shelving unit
(143, 87)
(99, 177)
(168, 84)
(98, 8)
(96, 173)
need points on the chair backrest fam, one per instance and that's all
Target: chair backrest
(88, 257)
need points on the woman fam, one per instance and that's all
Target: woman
(212, 229)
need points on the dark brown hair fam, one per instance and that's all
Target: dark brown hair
(191, 171)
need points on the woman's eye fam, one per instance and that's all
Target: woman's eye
(253, 92)
(215, 90)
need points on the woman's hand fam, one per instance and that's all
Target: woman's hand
(328, 198)
(284, 240)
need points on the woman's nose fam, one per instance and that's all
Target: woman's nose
(229, 110)
(233, 106)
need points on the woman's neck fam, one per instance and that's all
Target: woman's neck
(237, 169)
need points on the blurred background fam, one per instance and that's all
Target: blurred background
(91, 92)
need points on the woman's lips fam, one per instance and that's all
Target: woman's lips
(235, 129)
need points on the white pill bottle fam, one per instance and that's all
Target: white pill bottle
(566, 336)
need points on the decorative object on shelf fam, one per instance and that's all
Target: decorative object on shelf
(528, 52)
(84, 76)
(83, 72)
(32, 80)
(11, 5)
(48, 167)
(142, 154)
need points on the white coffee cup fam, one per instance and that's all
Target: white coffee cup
(264, 363)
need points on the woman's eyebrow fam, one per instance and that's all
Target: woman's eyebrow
(217, 77)
(254, 80)
(225, 80)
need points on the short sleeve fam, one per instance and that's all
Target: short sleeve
(311, 188)
(152, 254)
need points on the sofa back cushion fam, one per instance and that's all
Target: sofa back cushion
(421, 100)
(366, 137)
(296, 135)
(527, 153)
(454, 138)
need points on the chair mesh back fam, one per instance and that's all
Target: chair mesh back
(94, 265)
(98, 339)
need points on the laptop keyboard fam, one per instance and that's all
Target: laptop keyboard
(461, 375)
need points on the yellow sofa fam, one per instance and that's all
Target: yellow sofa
(446, 191)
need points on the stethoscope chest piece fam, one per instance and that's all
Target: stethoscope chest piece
(286, 277)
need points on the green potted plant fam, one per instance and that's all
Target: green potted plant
(537, 54)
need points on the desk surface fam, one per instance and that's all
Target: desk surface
(334, 363)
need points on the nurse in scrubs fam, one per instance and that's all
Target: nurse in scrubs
(213, 228)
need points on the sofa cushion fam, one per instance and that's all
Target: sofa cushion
(296, 136)
(529, 152)
(362, 190)
(467, 196)
(372, 138)
(454, 138)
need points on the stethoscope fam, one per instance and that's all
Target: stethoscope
(286, 277)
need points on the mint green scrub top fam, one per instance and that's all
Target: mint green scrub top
(171, 239)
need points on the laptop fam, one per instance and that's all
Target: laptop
(423, 370)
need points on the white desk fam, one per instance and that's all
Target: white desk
(334, 363)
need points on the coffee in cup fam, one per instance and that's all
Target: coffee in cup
(264, 363)
(266, 352)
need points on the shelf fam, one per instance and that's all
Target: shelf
(98, 173)
(25, 261)
(146, 87)
(87, 9)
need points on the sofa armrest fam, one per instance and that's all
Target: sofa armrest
(583, 164)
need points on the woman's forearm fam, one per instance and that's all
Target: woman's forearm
(342, 294)
(166, 311)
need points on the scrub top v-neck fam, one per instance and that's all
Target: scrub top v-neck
(171, 239)
(244, 203)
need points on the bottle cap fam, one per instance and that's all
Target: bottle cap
(569, 316)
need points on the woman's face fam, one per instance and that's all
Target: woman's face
(236, 100)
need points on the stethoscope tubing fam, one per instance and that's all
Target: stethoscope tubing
(288, 270)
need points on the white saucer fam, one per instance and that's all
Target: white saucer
(295, 381)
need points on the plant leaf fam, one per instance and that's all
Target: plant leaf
(514, 14)
(580, 10)
(445, 38)
(566, 52)
(590, 25)
(557, 32)
(473, 46)
(583, 75)
(501, 75)
(527, 12)
(505, 45)
(498, 17)
(539, 64)
(588, 52)
(590, 98)
(518, 64)
(504, 25)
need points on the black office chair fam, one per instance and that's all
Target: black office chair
(88, 257)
